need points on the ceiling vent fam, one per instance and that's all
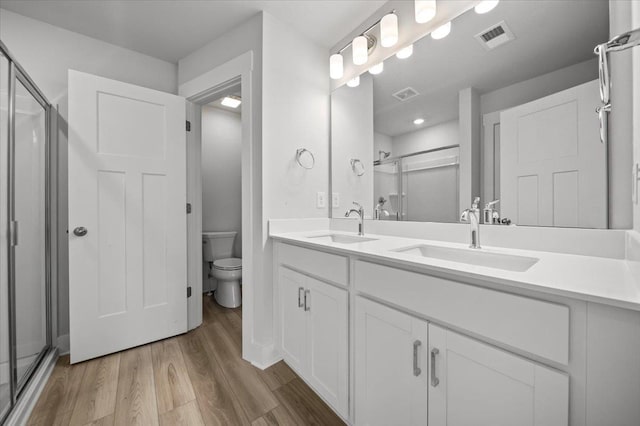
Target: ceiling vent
(405, 94)
(495, 36)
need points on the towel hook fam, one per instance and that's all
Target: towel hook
(305, 158)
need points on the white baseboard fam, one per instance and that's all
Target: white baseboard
(266, 356)
(63, 344)
(24, 406)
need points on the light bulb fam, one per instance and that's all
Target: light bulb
(377, 68)
(405, 52)
(389, 30)
(486, 6)
(360, 47)
(442, 31)
(336, 68)
(425, 10)
(354, 82)
(418, 121)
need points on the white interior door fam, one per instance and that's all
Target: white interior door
(472, 383)
(553, 168)
(127, 188)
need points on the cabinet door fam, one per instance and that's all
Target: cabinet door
(327, 346)
(391, 368)
(292, 319)
(472, 383)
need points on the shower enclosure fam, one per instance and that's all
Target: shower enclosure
(25, 255)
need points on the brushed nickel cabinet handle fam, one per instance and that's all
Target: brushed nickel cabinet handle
(416, 370)
(307, 306)
(434, 380)
(300, 291)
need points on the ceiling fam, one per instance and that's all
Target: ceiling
(171, 29)
(549, 35)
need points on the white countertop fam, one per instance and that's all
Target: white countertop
(595, 279)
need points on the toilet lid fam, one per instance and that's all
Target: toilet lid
(230, 264)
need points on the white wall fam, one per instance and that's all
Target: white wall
(382, 142)
(352, 137)
(221, 173)
(636, 106)
(47, 52)
(443, 134)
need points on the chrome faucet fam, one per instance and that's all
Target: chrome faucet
(360, 213)
(380, 211)
(472, 216)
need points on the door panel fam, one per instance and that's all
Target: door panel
(127, 187)
(292, 320)
(328, 345)
(553, 166)
(479, 384)
(388, 391)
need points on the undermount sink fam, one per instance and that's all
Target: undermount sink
(478, 257)
(340, 238)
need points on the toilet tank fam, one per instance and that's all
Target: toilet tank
(217, 245)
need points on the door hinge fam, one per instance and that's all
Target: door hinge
(188, 292)
(188, 208)
(188, 126)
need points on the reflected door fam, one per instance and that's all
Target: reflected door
(553, 167)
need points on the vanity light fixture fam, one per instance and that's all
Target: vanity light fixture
(231, 101)
(336, 66)
(389, 30)
(425, 10)
(418, 121)
(360, 50)
(354, 82)
(486, 6)
(405, 52)
(377, 68)
(442, 31)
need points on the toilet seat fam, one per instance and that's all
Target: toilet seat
(229, 264)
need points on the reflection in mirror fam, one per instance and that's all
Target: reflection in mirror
(501, 108)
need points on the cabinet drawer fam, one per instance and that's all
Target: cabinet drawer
(331, 267)
(534, 326)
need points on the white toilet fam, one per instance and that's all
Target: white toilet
(217, 249)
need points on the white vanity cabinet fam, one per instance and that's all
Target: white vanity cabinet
(390, 366)
(313, 334)
(472, 383)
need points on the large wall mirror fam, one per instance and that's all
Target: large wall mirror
(503, 108)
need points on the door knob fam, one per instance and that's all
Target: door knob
(80, 231)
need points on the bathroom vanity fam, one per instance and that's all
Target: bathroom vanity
(391, 330)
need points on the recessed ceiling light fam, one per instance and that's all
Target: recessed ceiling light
(418, 121)
(377, 69)
(442, 31)
(405, 52)
(486, 6)
(354, 82)
(231, 101)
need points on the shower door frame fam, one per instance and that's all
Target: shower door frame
(18, 74)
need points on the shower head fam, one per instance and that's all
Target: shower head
(384, 154)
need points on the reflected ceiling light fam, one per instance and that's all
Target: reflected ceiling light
(336, 66)
(231, 101)
(354, 82)
(377, 69)
(404, 53)
(442, 31)
(360, 48)
(418, 121)
(389, 30)
(486, 6)
(425, 10)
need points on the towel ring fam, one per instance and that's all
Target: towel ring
(305, 158)
(357, 167)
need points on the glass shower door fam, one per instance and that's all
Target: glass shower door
(29, 211)
(5, 368)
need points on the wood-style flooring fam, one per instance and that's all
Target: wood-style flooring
(198, 378)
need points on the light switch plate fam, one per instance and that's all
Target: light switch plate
(335, 200)
(321, 200)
